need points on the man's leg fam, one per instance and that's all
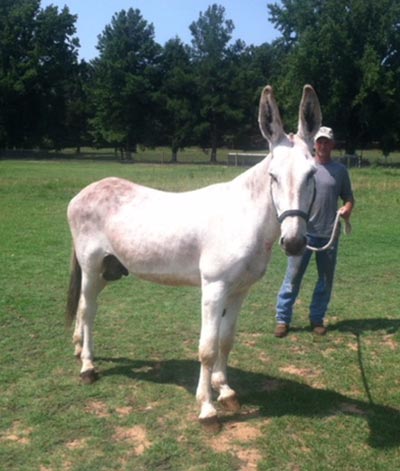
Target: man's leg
(290, 288)
(326, 264)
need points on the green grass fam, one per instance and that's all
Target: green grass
(306, 404)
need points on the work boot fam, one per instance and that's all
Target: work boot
(281, 330)
(318, 329)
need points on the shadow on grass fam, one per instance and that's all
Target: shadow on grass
(358, 326)
(273, 397)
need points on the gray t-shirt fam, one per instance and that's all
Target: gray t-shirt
(332, 182)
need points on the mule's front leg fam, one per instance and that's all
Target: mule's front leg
(227, 396)
(212, 308)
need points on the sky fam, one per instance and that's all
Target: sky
(170, 18)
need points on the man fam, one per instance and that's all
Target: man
(332, 182)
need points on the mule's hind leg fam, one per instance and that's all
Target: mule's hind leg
(77, 338)
(227, 396)
(83, 334)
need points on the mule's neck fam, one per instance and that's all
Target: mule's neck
(257, 180)
(257, 183)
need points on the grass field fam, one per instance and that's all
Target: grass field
(332, 404)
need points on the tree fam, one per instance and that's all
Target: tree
(78, 107)
(17, 71)
(56, 53)
(250, 69)
(177, 96)
(349, 50)
(125, 82)
(211, 35)
(38, 52)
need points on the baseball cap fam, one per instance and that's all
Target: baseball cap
(324, 131)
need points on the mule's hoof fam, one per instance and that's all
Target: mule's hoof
(230, 403)
(211, 425)
(89, 376)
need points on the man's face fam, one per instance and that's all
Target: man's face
(323, 147)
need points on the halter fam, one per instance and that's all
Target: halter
(293, 212)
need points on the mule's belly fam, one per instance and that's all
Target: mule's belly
(171, 279)
(162, 266)
(158, 254)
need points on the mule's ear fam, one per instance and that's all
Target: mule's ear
(310, 116)
(269, 118)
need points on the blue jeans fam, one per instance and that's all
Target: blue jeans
(326, 263)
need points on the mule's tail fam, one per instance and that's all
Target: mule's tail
(74, 290)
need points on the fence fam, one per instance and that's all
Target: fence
(245, 159)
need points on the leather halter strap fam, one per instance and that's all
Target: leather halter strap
(293, 212)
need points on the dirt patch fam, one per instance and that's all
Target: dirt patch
(264, 358)
(149, 407)
(77, 444)
(390, 342)
(236, 439)
(98, 408)
(328, 352)
(124, 411)
(66, 466)
(250, 340)
(303, 372)
(134, 436)
(297, 350)
(17, 433)
(249, 459)
(352, 346)
(239, 432)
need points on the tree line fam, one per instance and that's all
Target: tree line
(137, 92)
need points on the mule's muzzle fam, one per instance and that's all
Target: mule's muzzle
(293, 245)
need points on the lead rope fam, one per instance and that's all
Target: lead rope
(334, 235)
